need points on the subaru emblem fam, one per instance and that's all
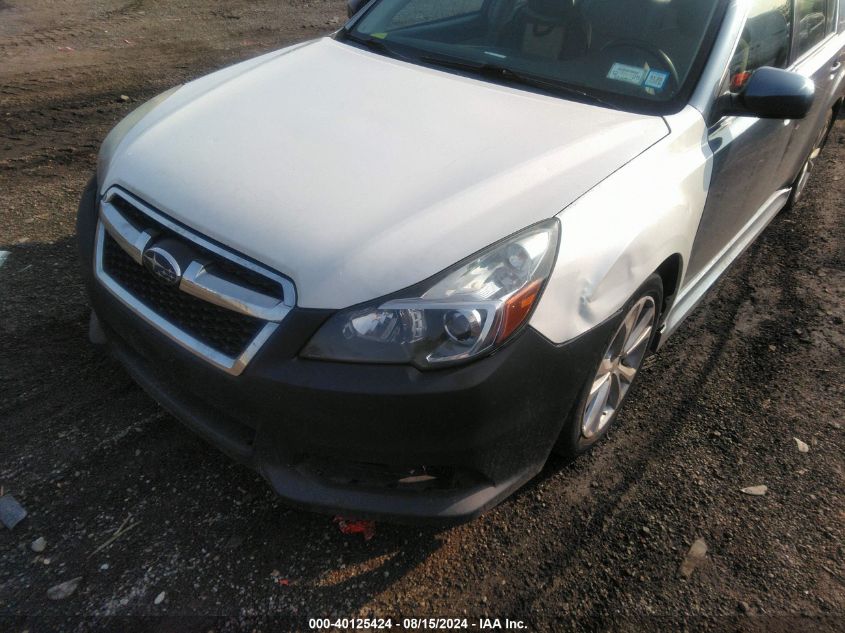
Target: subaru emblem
(162, 265)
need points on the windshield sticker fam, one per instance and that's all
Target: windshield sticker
(380, 36)
(629, 74)
(656, 79)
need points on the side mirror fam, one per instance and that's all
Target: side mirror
(772, 93)
(353, 6)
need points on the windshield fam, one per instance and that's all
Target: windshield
(618, 50)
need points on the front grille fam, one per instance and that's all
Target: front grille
(131, 213)
(246, 278)
(219, 328)
(233, 272)
(224, 307)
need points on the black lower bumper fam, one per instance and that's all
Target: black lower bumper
(381, 441)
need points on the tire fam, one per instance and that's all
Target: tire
(799, 185)
(586, 425)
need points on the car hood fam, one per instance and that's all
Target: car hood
(358, 175)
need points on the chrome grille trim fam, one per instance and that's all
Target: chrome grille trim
(130, 239)
(197, 281)
(134, 242)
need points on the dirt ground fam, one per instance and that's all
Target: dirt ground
(594, 545)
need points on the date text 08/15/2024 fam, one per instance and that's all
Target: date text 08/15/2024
(413, 624)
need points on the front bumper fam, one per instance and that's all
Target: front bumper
(380, 441)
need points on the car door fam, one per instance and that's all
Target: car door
(817, 54)
(748, 153)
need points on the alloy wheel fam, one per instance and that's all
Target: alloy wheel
(619, 367)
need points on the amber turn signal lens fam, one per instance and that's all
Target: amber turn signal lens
(518, 307)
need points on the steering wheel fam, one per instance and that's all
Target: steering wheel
(655, 52)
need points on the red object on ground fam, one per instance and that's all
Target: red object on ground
(353, 526)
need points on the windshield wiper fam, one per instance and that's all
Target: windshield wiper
(503, 73)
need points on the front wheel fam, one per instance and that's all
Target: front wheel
(606, 391)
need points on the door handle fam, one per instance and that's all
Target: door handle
(836, 66)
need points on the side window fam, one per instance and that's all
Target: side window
(421, 11)
(764, 42)
(815, 22)
(842, 16)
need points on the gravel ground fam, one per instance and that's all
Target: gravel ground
(204, 545)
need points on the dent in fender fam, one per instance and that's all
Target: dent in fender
(620, 232)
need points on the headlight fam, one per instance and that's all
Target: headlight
(469, 310)
(120, 131)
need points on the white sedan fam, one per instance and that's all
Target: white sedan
(394, 269)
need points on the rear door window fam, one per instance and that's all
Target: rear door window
(815, 23)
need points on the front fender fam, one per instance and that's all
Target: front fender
(622, 230)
